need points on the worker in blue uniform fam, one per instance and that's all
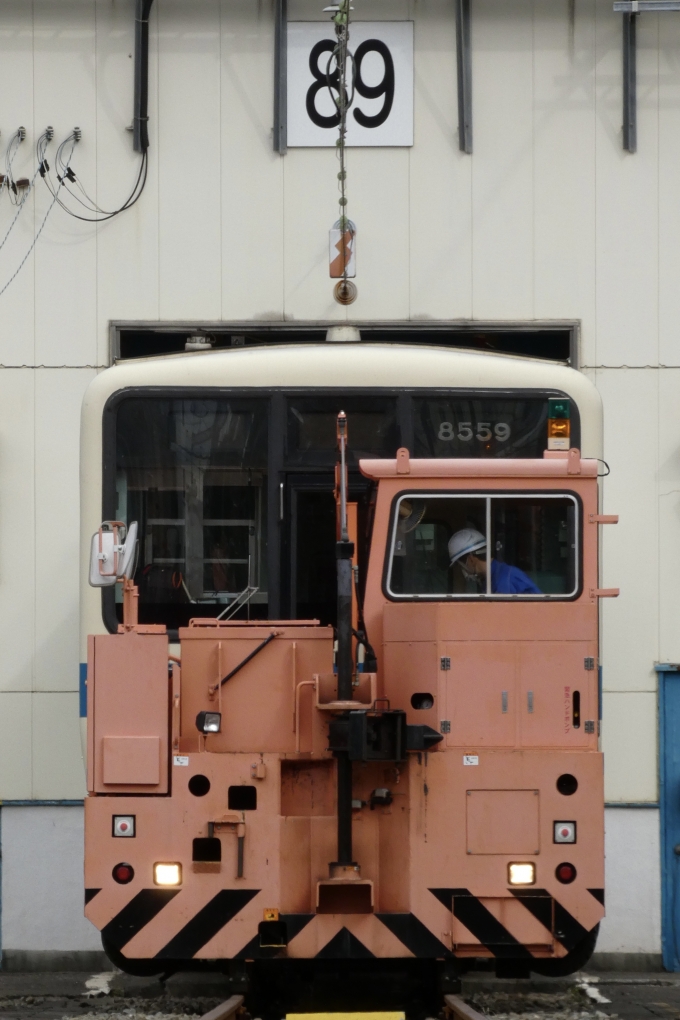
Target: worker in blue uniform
(467, 547)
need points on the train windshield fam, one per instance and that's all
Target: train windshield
(518, 545)
(233, 491)
(193, 474)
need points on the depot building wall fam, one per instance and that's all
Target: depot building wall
(548, 219)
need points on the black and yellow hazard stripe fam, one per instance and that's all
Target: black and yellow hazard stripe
(406, 927)
(415, 936)
(135, 915)
(204, 925)
(495, 937)
(294, 925)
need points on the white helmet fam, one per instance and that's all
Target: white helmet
(465, 541)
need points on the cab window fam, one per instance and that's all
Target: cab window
(445, 546)
(193, 473)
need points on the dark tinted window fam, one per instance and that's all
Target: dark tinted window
(193, 474)
(371, 425)
(480, 426)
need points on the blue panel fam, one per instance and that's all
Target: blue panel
(669, 798)
(83, 690)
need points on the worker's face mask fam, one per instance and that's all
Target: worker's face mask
(470, 575)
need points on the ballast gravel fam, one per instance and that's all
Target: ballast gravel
(573, 1004)
(131, 1014)
(113, 1007)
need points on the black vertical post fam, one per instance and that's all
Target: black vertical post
(344, 553)
(280, 77)
(629, 83)
(344, 666)
(345, 550)
(464, 70)
(277, 527)
(140, 119)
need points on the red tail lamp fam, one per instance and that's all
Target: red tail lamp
(123, 873)
(565, 873)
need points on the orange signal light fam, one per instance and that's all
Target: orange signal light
(558, 428)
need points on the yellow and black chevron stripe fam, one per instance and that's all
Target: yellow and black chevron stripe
(406, 927)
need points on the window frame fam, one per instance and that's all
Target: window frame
(488, 495)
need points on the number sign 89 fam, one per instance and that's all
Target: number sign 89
(379, 80)
(326, 76)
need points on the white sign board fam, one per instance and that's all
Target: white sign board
(382, 111)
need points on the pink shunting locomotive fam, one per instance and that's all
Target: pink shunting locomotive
(422, 783)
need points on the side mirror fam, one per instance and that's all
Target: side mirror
(112, 553)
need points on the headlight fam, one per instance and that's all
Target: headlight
(208, 722)
(167, 874)
(521, 874)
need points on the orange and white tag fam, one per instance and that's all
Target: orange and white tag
(342, 250)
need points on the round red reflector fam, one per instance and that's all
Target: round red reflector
(123, 873)
(565, 873)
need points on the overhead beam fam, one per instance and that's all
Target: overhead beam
(640, 6)
(280, 77)
(464, 70)
(629, 83)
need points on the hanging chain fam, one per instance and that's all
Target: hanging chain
(341, 88)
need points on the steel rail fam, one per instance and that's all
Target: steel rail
(225, 1009)
(460, 1009)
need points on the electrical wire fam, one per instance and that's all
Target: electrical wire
(10, 155)
(66, 177)
(44, 139)
(72, 137)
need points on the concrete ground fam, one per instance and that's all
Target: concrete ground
(115, 996)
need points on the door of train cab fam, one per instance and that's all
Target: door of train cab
(308, 574)
(306, 487)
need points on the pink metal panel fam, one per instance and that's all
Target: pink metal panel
(129, 714)
(258, 704)
(502, 822)
(550, 674)
(131, 761)
(481, 697)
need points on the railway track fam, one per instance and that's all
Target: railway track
(455, 1007)
(458, 1009)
